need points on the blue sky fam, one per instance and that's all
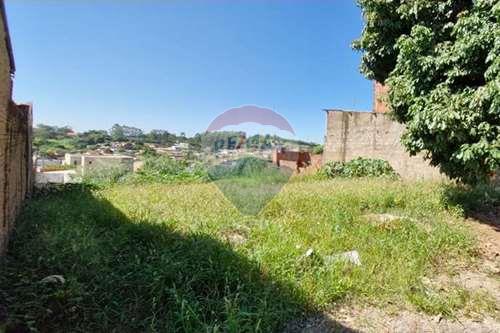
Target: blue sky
(176, 65)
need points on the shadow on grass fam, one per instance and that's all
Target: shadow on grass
(481, 203)
(132, 276)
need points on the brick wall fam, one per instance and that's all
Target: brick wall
(15, 141)
(372, 135)
(288, 159)
(379, 96)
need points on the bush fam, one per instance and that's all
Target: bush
(358, 167)
(318, 149)
(248, 167)
(167, 169)
(149, 152)
(105, 176)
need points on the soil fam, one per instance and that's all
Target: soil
(484, 277)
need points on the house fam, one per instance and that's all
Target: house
(72, 159)
(351, 134)
(55, 177)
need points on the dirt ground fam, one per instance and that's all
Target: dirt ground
(484, 277)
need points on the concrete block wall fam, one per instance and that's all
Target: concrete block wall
(372, 135)
(15, 141)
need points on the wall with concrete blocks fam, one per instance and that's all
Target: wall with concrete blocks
(15, 142)
(372, 135)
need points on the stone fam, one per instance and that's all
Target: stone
(236, 238)
(351, 257)
(53, 279)
(309, 253)
(383, 218)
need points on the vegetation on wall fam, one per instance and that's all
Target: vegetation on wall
(441, 62)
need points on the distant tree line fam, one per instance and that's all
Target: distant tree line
(54, 140)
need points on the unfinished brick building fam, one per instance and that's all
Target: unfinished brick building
(15, 140)
(351, 134)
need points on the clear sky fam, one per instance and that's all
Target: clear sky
(177, 64)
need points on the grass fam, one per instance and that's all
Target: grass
(57, 167)
(250, 183)
(161, 257)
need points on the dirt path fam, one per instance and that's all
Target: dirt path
(485, 278)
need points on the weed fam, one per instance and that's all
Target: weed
(155, 257)
(358, 167)
(165, 169)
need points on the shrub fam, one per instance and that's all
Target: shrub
(167, 169)
(358, 167)
(318, 149)
(104, 176)
(248, 167)
(149, 152)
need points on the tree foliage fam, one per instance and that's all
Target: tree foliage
(441, 61)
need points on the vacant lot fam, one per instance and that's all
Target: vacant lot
(165, 257)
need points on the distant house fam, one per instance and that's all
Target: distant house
(179, 147)
(55, 177)
(71, 133)
(73, 159)
(87, 162)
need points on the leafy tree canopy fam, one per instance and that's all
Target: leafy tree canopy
(124, 132)
(441, 61)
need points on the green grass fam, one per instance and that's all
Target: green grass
(158, 257)
(250, 184)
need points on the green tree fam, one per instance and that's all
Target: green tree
(93, 137)
(117, 133)
(46, 132)
(441, 62)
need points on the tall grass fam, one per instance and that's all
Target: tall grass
(162, 257)
(104, 176)
(166, 169)
(249, 183)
